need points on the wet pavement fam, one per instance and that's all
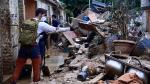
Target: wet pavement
(67, 76)
(54, 59)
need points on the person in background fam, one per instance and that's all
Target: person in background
(55, 21)
(55, 36)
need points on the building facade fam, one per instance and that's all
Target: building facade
(5, 42)
(13, 12)
(145, 5)
(29, 6)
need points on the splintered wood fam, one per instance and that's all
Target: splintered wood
(69, 36)
(97, 78)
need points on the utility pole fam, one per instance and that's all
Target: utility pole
(89, 4)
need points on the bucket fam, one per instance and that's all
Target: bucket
(82, 76)
(125, 46)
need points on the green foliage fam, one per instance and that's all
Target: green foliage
(131, 4)
(105, 1)
(121, 12)
(74, 5)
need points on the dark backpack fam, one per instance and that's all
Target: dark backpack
(28, 32)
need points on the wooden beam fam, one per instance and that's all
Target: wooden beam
(69, 36)
(97, 78)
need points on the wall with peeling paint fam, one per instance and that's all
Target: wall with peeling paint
(14, 16)
(6, 46)
(146, 14)
(45, 5)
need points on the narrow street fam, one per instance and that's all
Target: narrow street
(53, 61)
(65, 75)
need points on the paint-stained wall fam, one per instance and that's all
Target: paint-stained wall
(14, 16)
(6, 45)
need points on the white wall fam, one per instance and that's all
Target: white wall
(49, 8)
(51, 11)
(145, 3)
(144, 20)
(13, 6)
(44, 5)
(41, 4)
(14, 13)
(62, 13)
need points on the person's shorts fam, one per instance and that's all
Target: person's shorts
(42, 45)
(29, 52)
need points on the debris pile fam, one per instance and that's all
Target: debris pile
(97, 54)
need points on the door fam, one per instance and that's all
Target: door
(30, 7)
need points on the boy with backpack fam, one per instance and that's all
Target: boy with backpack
(30, 31)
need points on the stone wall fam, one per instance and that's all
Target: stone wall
(6, 42)
(14, 16)
(21, 10)
(1, 66)
(6, 38)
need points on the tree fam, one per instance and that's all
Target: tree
(73, 7)
(121, 12)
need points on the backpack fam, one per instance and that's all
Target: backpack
(28, 32)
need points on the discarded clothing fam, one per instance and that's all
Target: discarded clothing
(128, 78)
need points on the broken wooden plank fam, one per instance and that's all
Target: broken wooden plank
(69, 36)
(100, 32)
(97, 78)
(91, 27)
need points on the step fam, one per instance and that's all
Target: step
(7, 79)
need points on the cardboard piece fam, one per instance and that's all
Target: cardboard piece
(69, 36)
(92, 15)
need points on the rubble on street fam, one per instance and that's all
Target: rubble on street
(117, 64)
(100, 57)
